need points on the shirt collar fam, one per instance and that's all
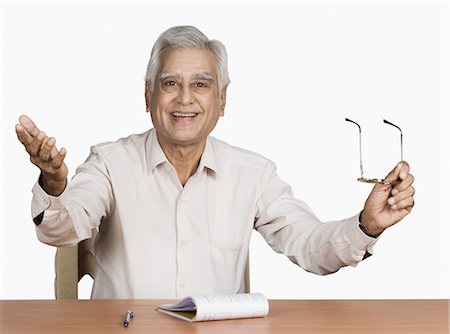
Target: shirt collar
(156, 156)
(209, 157)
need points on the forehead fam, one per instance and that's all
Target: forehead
(188, 61)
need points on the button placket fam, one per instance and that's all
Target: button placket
(183, 235)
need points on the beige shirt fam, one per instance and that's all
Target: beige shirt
(161, 240)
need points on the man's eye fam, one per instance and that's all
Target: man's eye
(201, 85)
(170, 83)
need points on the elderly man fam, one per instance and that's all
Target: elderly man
(175, 207)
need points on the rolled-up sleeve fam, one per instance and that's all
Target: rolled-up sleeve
(70, 217)
(290, 227)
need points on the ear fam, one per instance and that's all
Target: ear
(148, 95)
(223, 101)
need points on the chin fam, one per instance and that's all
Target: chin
(186, 139)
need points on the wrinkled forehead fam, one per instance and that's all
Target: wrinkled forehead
(188, 63)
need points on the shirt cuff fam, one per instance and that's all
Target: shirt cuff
(359, 240)
(42, 201)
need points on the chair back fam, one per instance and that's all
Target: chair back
(71, 264)
(247, 276)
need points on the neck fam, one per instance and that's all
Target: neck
(185, 159)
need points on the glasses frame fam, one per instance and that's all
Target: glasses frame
(373, 180)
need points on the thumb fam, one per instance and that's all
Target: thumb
(401, 171)
(394, 175)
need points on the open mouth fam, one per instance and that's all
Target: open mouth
(184, 115)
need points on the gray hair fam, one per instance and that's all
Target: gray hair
(187, 37)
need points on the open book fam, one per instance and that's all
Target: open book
(218, 307)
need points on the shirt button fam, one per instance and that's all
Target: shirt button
(183, 284)
(183, 242)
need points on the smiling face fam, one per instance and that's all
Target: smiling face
(185, 103)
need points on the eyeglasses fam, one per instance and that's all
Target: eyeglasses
(381, 181)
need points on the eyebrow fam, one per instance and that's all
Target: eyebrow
(203, 76)
(165, 75)
(199, 76)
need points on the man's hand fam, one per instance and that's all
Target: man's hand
(387, 205)
(44, 154)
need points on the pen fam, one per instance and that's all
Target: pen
(128, 316)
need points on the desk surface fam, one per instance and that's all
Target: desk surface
(286, 316)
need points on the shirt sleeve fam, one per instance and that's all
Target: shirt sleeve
(87, 200)
(290, 227)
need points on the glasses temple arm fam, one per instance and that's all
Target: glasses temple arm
(401, 137)
(360, 147)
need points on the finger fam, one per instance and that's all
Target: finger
(51, 142)
(36, 144)
(405, 204)
(402, 186)
(58, 159)
(54, 150)
(409, 192)
(46, 149)
(29, 125)
(23, 136)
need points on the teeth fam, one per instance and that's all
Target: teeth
(178, 114)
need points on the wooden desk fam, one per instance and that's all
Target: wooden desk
(286, 316)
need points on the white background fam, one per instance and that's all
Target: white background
(297, 70)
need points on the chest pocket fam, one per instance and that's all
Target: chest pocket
(230, 223)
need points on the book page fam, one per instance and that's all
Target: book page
(230, 306)
(185, 304)
(218, 307)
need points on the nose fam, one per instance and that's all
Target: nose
(185, 97)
